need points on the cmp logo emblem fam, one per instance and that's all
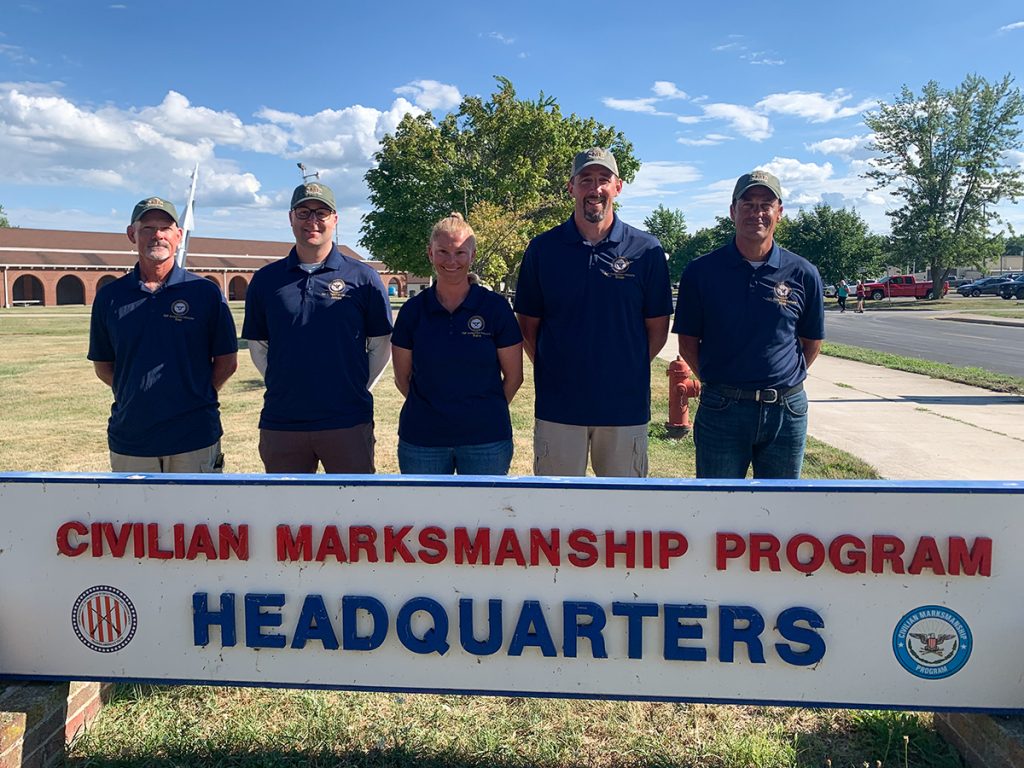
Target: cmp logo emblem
(104, 619)
(179, 308)
(336, 287)
(932, 642)
(620, 265)
(476, 324)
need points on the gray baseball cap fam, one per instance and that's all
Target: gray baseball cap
(594, 156)
(154, 204)
(314, 190)
(756, 179)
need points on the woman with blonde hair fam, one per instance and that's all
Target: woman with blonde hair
(457, 354)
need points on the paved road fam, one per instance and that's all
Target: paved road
(924, 335)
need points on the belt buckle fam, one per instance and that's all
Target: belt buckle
(763, 396)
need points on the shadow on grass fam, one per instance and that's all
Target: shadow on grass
(387, 757)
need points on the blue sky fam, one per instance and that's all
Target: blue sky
(102, 103)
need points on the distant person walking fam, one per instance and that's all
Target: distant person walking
(842, 292)
(457, 354)
(751, 320)
(319, 327)
(163, 339)
(860, 296)
(593, 301)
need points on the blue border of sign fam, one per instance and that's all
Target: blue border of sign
(501, 481)
(913, 707)
(987, 487)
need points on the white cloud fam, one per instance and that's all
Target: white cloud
(632, 105)
(816, 107)
(710, 140)
(501, 38)
(1011, 27)
(846, 148)
(46, 139)
(667, 90)
(16, 54)
(658, 177)
(430, 94)
(743, 120)
(689, 119)
(763, 58)
(729, 47)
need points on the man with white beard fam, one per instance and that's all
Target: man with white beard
(593, 301)
(163, 339)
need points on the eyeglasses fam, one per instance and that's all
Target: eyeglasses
(303, 214)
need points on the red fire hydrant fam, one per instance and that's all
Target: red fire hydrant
(681, 387)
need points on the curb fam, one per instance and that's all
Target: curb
(984, 321)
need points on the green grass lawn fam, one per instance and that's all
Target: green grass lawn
(52, 417)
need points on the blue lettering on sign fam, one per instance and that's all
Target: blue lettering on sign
(422, 626)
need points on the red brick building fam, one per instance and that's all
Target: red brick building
(48, 267)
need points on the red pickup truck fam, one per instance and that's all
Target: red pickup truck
(900, 285)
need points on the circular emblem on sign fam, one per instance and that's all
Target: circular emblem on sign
(476, 323)
(620, 264)
(932, 642)
(179, 307)
(336, 286)
(782, 291)
(104, 619)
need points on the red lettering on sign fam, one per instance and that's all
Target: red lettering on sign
(671, 544)
(584, 553)
(434, 549)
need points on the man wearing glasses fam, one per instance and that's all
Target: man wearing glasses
(162, 338)
(593, 302)
(319, 326)
(750, 319)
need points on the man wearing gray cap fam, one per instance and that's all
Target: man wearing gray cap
(163, 339)
(593, 301)
(318, 324)
(750, 319)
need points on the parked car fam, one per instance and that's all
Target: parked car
(986, 286)
(1014, 289)
(900, 285)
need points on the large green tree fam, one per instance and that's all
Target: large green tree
(3, 218)
(669, 226)
(944, 154)
(704, 240)
(511, 153)
(835, 240)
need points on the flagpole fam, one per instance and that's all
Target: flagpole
(188, 221)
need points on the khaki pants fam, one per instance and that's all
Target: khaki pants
(204, 460)
(347, 451)
(561, 449)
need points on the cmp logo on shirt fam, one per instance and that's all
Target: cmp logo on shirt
(336, 288)
(477, 327)
(620, 265)
(179, 310)
(782, 292)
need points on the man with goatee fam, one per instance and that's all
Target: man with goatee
(162, 338)
(593, 301)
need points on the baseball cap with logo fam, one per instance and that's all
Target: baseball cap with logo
(314, 190)
(756, 179)
(594, 156)
(154, 204)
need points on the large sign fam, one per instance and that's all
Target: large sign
(867, 594)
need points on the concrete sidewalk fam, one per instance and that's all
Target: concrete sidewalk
(913, 427)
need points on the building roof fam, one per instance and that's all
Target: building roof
(103, 250)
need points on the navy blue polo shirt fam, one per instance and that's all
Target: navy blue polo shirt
(592, 366)
(161, 345)
(316, 325)
(456, 395)
(750, 321)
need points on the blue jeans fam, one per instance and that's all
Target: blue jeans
(482, 459)
(731, 434)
